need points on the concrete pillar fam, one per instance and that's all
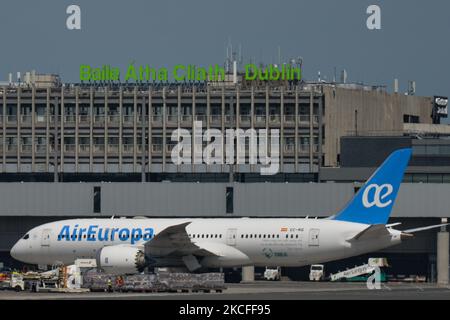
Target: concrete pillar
(135, 145)
(143, 141)
(164, 129)
(248, 274)
(442, 258)
(311, 130)
(120, 128)
(5, 92)
(105, 135)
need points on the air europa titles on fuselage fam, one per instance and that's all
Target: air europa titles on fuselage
(96, 233)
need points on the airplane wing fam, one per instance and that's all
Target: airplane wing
(174, 240)
(373, 231)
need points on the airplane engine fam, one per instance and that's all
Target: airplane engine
(121, 260)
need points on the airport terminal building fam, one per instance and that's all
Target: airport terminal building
(84, 150)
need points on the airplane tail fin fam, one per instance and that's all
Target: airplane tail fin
(374, 201)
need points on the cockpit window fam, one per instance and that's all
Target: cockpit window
(26, 237)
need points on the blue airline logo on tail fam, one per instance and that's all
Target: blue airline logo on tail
(379, 195)
(374, 201)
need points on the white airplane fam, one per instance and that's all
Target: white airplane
(127, 246)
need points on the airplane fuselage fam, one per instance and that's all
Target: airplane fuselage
(266, 242)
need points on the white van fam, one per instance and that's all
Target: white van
(316, 273)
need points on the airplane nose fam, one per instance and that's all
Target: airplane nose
(15, 251)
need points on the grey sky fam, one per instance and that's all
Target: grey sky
(413, 42)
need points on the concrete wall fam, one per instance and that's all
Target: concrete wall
(207, 199)
(378, 112)
(171, 199)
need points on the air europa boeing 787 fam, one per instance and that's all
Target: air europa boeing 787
(126, 246)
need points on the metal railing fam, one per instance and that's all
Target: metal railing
(26, 148)
(127, 148)
(71, 118)
(99, 148)
(289, 119)
(40, 118)
(113, 148)
(169, 147)
(115, 119)
(201, 117)
(304, 148)
(215, 119)
(186, 119)
(128, 118)
(245, 119)
(157, 119)
(84, 148)
(157, 148)
(172, 118)
(260, 119)
(304, 119)
(11, 119)
(26, 118)
(40, 148)
(69, 148)
(99, 119)
(274, 118)
(230, 120)
(11, 148)
(289, 148)
(84, 118)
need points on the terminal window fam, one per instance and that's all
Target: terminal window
(407, 118)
